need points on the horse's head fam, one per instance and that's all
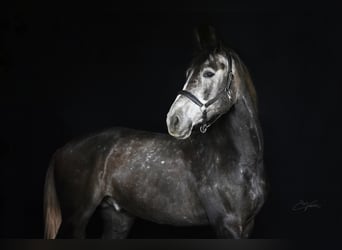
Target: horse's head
(208, 92)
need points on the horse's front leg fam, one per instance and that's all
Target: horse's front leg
(227, 226)
(230, 226)
(226, 223)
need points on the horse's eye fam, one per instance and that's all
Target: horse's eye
(208, 74)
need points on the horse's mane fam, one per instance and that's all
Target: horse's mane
(246, 78)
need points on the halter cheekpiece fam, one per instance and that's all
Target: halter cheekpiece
(203, 106)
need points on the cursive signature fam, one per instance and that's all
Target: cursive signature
(305, 205)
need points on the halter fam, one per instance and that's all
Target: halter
(203, 106)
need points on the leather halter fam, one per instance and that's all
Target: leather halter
(203, 106)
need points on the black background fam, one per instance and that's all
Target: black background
(71, 69)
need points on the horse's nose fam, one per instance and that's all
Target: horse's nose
(174, 123)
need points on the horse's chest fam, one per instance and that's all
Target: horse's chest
(237, 188)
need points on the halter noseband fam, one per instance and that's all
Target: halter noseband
(203, 106)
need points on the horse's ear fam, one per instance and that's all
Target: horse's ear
(205, 37)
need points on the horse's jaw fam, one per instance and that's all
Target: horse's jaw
(181, 136)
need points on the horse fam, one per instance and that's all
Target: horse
(208, 169)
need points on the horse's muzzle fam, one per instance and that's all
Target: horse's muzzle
(178, 126)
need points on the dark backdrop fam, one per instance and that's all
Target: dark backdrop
(68, 70)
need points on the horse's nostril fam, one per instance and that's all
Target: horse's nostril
(174, 122)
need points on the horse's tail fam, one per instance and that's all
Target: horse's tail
(52, 210)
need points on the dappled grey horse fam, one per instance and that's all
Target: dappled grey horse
(208, 172)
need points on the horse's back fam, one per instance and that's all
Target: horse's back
(145, 173)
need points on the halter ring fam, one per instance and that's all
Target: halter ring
(203, 128)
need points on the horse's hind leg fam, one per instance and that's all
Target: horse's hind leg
(116, 223)
(76, 218)
(74, 226)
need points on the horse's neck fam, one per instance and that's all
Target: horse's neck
(238, 131)
(243, 125)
